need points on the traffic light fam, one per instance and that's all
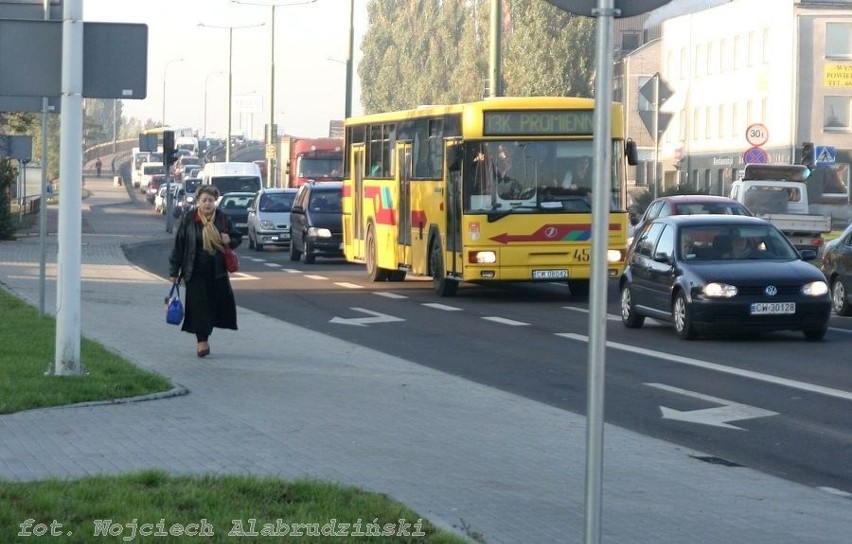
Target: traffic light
(170, 155)
(808, 154)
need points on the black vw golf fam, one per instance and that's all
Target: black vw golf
(709, 273)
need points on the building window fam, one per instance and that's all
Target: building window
(739, 54)
(711, 57)
(696, 124)
(629, 41)
(684, 60)
(767, 43)
(837, 40)
(723, 121)
(753, 48)
(836, 110)
(699, 69)
(708, 125)
(723, 55)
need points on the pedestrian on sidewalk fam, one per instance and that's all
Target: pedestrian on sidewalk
(198, 259)
(98, 166)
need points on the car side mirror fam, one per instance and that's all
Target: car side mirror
(808, 254)
(663, 257)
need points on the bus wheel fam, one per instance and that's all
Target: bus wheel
(396, 275)
(373, 271)
(443, 286)
(579, 288)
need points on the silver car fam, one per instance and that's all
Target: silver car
(269, 218)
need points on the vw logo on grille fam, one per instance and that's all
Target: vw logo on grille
(771, 290)
(551, 232)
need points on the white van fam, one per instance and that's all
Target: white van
(231, 177)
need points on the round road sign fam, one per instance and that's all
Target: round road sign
(757, 134)
(755, 155)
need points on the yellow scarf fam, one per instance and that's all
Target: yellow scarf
(211, 240)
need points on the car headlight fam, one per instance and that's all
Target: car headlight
(267, 224)
(319, 232)
(719, 290)
(815, 288)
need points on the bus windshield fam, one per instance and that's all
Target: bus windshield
(534, 177)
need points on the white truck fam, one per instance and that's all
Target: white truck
(779, 194)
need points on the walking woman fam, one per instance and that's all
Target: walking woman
(197, 258)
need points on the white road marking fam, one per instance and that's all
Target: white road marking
(291, 270)
(609, 317)
(364, 321)
(388, 294)
(348, 285)
(838, 492)
(444, 307)
(504, 321)
(315, 277)
(768, 378)
(273, 265)
(718, 416)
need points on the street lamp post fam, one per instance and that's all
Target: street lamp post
(206, 81)
(230, 78)
(271, 133)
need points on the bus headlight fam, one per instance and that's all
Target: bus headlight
(482, 257)
(614, 255)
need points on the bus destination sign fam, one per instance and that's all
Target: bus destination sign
(538, 123)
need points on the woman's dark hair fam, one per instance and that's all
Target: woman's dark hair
(212, 190)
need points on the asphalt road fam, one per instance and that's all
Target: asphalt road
(773, 402)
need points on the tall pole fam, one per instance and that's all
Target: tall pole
(230, 91)
(271, 132)
(602, 144)
(495, 73)
(42, 212)
(347, 111)
(68, 274)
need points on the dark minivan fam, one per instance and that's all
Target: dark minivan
(316, 221)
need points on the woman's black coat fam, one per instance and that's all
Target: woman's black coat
(182, 258)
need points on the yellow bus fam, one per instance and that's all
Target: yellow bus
(489, 191)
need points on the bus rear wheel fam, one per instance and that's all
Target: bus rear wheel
(373, 271)
(442, 285)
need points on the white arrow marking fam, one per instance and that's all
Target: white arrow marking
(718, 416)
(364, 321)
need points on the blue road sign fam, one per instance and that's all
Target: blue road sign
(755, 155)
(824, 155)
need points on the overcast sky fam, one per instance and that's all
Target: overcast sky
(309, 89)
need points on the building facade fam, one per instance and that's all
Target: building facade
(751, 81)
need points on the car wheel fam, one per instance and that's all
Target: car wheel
(579, 288)
(295, 254)
(310, 258)
(440, 283)
(682, 318)
(373, 271)
(251, 241)
(258, 246)
(629, 317)
(816, 334)
(839, 302)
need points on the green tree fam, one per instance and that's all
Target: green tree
(8, 173)
(437, 52)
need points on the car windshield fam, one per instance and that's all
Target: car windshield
(737, 242)
(325, 201)
(276, 202)
(230, 202)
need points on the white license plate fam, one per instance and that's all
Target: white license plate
(560, 274)
(241, 225)
(773, 308)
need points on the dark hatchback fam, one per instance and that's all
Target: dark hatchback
(837, 267)
(316, 221)
(236, 205)
(714, 273)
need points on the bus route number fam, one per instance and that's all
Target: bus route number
(581, 255)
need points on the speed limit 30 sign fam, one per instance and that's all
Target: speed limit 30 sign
(757, 134)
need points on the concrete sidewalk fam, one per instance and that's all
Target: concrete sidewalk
(268, 401)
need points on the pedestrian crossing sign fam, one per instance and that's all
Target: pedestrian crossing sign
(824, 155)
